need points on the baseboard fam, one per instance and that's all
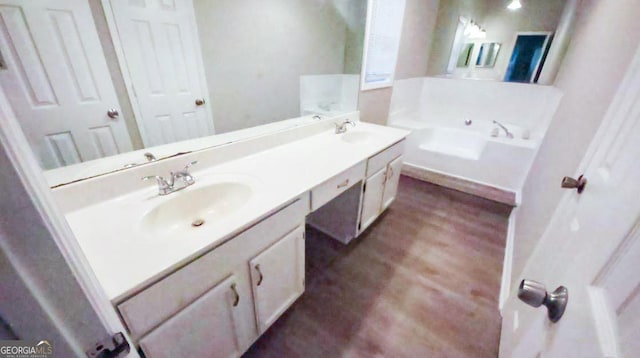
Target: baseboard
(505, 286)
(461, 184)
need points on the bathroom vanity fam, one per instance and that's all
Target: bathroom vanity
(209, 268)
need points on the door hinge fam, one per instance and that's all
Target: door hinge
(364, 187)
(111, 347)
(359, 225)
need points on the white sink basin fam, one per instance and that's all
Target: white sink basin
(196, 208)
(358, 137)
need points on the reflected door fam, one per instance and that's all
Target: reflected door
(161, 53)
(56, 78)
(527, 57)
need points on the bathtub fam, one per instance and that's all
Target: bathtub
(473, 153)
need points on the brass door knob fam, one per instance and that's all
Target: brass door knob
(199, 101)
(570, 183)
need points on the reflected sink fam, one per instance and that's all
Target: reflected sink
(358, 137)
(193, 209)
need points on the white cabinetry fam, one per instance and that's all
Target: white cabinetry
(372, 198)
(391, 182)
(206, 328)
(353, 210)
(379, 192)
(206, 308)
(277, 277)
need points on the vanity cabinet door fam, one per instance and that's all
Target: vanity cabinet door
(277, 276)
(372, 199)
(391, 184)
(206, 328)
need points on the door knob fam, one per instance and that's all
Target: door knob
(570, 183)
(535, 294)
(199, 101)
(113, 113)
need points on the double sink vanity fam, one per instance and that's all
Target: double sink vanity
(210, 267)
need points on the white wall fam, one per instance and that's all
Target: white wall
(601, 49)
(255, 52)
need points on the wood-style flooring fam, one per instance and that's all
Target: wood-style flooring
(423, 281)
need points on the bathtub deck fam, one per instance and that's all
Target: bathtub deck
(423, 281)
(459, 184)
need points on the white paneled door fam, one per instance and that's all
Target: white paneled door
(592, 246)
(56, 78)
(160, 50)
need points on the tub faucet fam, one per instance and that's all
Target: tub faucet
(506, 131)
(342, 127)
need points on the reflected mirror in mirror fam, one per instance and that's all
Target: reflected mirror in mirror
(493, 28)
(89, 79)
(488, 54)
(465, 56)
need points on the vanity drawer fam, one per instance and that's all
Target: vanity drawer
(155, 304)
(380, 160)
(335, 186)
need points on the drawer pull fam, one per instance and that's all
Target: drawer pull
(343, 184)
(259, 273)
(390, 173)
(236, 296)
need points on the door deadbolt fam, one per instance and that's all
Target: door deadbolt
(570, 183)
(535, 294)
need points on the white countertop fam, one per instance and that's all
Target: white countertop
(125, 257)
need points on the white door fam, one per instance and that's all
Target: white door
(161, 53)
(277, 276)
(592, 246)
(391, 182)
(372, 198)
(56, 78)
(206, 328)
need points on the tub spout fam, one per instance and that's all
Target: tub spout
(506, 131)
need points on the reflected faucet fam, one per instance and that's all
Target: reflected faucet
(506, 131)
(342, 127)
(150, 157)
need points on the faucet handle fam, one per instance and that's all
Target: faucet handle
(161, 181)
(186, 167)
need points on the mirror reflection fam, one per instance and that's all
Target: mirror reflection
(488, 54)
(90, 79)
(498, 40)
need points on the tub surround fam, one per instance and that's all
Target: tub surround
(478, 156)
(445, 102)
(126, 258)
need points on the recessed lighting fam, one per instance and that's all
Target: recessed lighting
(514, 5)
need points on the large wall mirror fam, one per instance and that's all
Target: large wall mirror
(502, 40)
(90, 79)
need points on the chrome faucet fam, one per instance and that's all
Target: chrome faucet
(506, 131)
(178, 180)
(342, 127)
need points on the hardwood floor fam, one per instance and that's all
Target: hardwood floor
(423, 281)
